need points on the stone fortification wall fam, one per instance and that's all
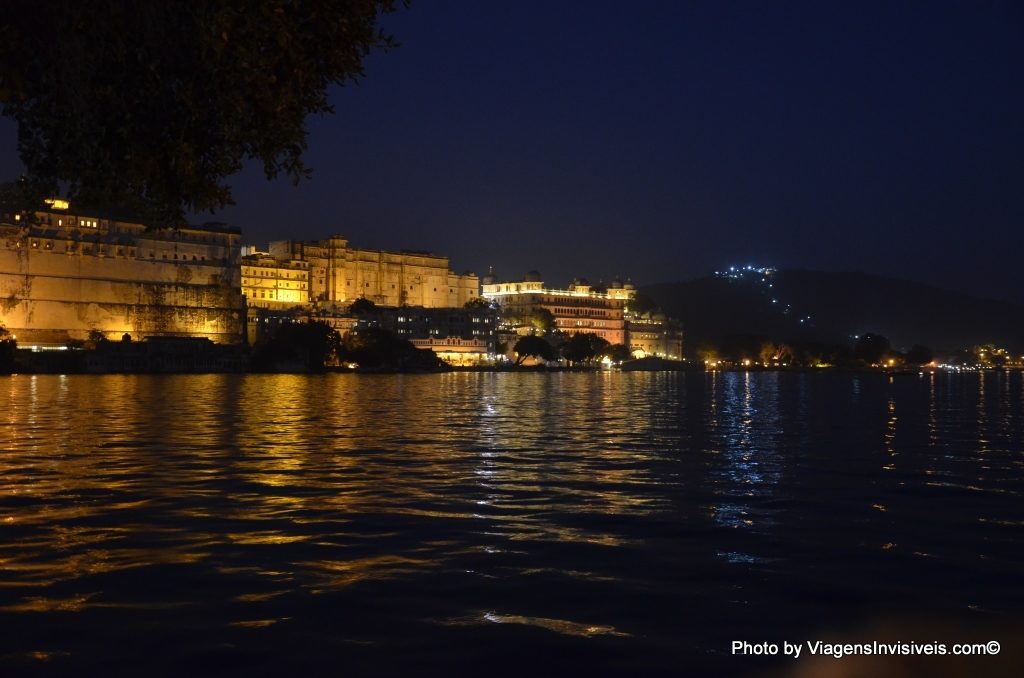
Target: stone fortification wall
(59, 284)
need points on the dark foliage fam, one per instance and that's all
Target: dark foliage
(812, 353)
(738, 347)
(7, 348)
(616, 352)
(149, 106)
(310, 346)
(362, 306)
(919, 355)
(477, 303)
(839, 305)
(537, 347)
(871, 348)
(375, 347)
(641, 303)
(542, 320)
(581, 348)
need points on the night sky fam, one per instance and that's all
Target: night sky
(662, 140)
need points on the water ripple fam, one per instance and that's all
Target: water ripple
(617, 515)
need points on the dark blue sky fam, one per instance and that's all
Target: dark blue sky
(661, 140)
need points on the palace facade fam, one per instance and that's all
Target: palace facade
(66, 275)
(418, 296)
(578, 309)
(459, 336)
(654, 334)
(339, 274)
(270, 283)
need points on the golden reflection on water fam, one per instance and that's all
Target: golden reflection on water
(557, 625)
(265, 488)
(131, 471)
(333, 574)
(561, 626)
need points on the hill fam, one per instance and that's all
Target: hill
(835, 307)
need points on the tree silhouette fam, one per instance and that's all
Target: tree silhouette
(542, 320)
(871, 348)
(617, 353)
(919, 355)
(7, 347)
(362, 306)
(377, 347)
(583, 347)
(149, 106)
(314, 345)
(641, 303)
(477, 303)
(533, 346)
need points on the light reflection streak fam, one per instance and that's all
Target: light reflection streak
(889, 437)
(560, 626)
(478, 491)
(933, 423)
(747, 468)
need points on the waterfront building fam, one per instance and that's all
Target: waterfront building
(460, 336)
(67, 274)
(418, 297)
(339, 273)
(264, 322)
(458, 351)
(654, 334)
(578, 309)
(270, 283)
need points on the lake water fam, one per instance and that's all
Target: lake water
(502, 523)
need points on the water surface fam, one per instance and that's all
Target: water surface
(598, 522)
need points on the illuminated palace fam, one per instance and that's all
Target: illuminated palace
(654, 334)
(269, 283)
(580, 308)
(338, 274)
(67, 274)
(418, 295)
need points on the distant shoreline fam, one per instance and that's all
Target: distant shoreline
(525, 370)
